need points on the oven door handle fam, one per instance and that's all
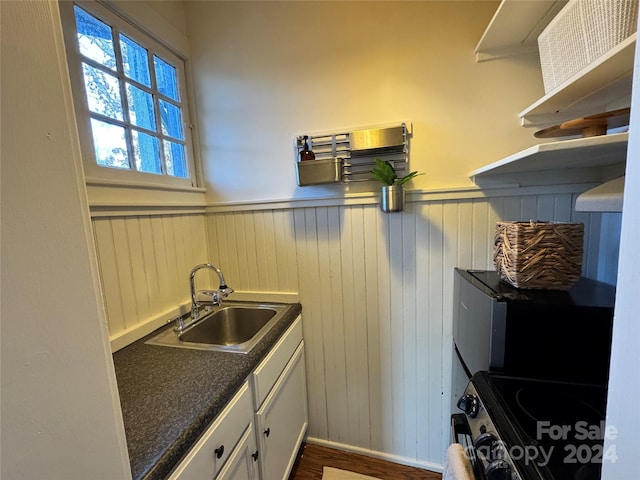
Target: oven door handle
(461, 433)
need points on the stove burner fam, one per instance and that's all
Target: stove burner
(552, 430)
(556, 407)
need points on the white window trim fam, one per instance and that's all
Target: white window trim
(143, 32)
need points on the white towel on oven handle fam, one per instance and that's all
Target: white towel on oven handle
(457, 465)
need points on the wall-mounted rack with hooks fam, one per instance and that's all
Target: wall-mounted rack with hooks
(349, 156)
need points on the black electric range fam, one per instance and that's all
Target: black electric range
(528, 429)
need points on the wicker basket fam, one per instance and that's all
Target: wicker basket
(582, 32)
(542, 255)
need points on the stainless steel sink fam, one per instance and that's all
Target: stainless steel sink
(232, 328)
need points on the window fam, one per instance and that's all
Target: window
(130, 100)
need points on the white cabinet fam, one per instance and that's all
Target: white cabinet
(281, 421)
(243, 462)
(207, 457)
(280, 398)
(275, 396)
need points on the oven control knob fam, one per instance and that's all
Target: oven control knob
(487, 444)
(469, 404)
(498, 470)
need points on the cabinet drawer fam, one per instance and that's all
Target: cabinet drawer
(265, 375)
(209, 454)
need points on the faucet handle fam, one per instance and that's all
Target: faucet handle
(225, 291)
(206, 297)
(180, 325)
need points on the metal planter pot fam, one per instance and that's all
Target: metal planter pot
(392, 198)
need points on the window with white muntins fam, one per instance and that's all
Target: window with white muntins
(130, 97)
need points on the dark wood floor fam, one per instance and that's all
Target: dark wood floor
(312, 458)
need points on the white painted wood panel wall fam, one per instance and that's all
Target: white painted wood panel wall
(376, 295)
(145, 262)
(375, 289)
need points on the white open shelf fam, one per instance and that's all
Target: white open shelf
(606, 197)
(594, 89)
(515, 27)
(600, 151)
(601, 86)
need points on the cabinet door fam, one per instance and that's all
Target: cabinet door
(243, 462)
(282, 420)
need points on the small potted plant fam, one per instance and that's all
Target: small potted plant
(392, 193)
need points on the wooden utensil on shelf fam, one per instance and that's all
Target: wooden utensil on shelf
(590, 126)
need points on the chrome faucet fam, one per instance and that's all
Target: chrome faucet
(216, 295)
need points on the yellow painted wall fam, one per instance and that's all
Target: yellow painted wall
(267, 71)
(171, 11)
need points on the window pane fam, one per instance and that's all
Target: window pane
(171, 120)
(141, 108)
(103, 92)
(135, 61)
(174, 156)
(146, 150)
(95, 39)
(110, 144)
(166, 78)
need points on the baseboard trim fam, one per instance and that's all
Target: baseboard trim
(376, 454)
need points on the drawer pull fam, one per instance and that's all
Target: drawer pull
(255, 456)
(219, 451)
(267, 431)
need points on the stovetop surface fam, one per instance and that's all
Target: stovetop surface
(558, 426)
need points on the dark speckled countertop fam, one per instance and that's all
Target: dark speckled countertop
(169, 396)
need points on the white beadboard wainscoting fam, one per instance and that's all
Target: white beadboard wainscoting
(376, 291)
(145, 262)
